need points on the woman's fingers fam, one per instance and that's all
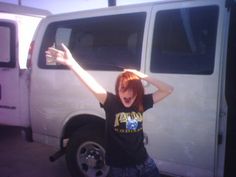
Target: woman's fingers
(67, 52)
(64, 47)
(137, 73)
(63, 56)
(54, 53)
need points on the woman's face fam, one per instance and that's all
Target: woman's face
(127, 96)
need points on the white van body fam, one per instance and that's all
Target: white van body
(181, 42)
(17, 26)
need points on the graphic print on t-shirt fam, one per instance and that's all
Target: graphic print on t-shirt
(128, 122)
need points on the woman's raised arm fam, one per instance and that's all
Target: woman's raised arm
(65, 57)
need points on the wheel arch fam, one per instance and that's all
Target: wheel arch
(77, 122)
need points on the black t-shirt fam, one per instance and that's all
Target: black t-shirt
(124, 132)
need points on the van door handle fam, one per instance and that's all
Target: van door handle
(145, 138)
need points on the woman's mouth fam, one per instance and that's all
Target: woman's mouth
(127, 100)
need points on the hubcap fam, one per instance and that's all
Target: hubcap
(91, 160)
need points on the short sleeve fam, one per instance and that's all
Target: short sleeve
(147, 102)
(109, 101)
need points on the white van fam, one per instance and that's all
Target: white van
(17, 26)
(183, 42)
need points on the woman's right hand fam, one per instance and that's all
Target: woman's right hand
(61, 56)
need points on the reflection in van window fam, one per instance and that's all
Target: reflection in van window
(99, 43)
(62, 36)
(7, 45)
(4, 44)
(184, 41)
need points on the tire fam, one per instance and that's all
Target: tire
(85, 154)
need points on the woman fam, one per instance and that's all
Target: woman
(125, 151)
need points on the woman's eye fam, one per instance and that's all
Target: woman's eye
(122, 89)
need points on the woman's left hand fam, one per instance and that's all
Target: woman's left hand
(137, 73)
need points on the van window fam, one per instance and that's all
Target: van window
(99, 43)
(7, 44)
(184, 41)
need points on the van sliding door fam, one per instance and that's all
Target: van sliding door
(184, 49)
(9, 82)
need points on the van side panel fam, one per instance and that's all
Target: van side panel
(14, 80)
(185, 49)
(180, 42)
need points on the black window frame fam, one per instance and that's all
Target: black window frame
(167, 67)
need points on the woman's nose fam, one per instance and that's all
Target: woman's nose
(128, 92)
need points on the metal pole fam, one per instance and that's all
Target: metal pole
(19, 2)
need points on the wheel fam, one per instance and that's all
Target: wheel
(85, 154)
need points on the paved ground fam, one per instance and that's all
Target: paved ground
(19, 158)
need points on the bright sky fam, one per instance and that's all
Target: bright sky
(60, 6)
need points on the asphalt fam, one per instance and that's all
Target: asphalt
(19, 158)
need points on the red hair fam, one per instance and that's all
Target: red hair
(134, 83)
